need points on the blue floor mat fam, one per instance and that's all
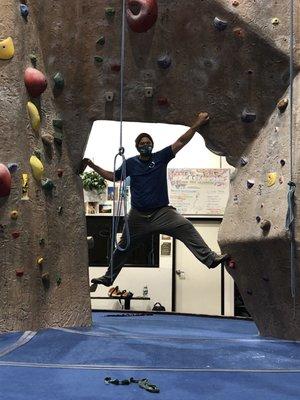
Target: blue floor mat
(187, 357)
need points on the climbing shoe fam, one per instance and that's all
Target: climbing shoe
(219, 259)
(145, 384)
(102, 280)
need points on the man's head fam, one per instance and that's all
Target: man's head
(144, 144)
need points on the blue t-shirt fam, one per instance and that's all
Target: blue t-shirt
(148, 180)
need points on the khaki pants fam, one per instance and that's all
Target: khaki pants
(165, 220)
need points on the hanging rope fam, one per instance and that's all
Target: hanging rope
(122, 197)
(290, 218)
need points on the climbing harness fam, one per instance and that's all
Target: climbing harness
(292, 186)
(122, 200)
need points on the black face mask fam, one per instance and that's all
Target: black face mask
(145, 150)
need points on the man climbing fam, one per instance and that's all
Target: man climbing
(150, 210)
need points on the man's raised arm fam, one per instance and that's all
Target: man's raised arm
(202, 119)
(86, 162)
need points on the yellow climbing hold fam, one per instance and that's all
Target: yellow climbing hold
(37, 168)
(25, 187)
(271, 179)
(34, 116)
(7, 49)
(40, 261)
(14, 214)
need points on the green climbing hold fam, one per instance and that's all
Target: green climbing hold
(58, 279)
(110, 11)
(59, 81)
(101, 40)
(47, 184)
(33, 59)
(58, 130)
(98, 59)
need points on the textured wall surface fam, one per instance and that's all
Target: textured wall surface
(244, 67)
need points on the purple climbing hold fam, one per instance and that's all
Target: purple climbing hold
(220, 24)
(164, 62)
(248, 116)
(24, 10)
(12, 167)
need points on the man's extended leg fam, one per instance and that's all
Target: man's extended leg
(170, 222)
(139, 230)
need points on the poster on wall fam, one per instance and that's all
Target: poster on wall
(199, 192)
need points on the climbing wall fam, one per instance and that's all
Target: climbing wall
(227, 57)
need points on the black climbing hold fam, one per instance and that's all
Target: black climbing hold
(248, 116)
(59, 210)
(249, 292)
(59, 81)
(266, 279)
(164, 62)
(244, 161)
(250, 183)
(282, 162)
(46, 279)
(101, 40)
(265, 225)
(24, 10)
(220, 24)
(258, 219)
(42, 242)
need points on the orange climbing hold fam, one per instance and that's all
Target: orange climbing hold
(141, 14)
(35, 82)
(5, 181)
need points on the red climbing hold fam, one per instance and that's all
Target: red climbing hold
(35, 82)
(5, 181)
(163, 101)
(115, 67)
(141, 14)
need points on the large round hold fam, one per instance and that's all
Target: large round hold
(5, 181)
(141, 14)
(35, 82)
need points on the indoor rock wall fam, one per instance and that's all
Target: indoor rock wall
(227, 57)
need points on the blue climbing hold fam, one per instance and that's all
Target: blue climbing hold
(164, 62)
(24, 10)
(220, 24)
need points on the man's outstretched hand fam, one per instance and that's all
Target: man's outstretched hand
(202, 119)
(83, 164)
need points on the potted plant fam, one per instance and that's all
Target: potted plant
(93, 184)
